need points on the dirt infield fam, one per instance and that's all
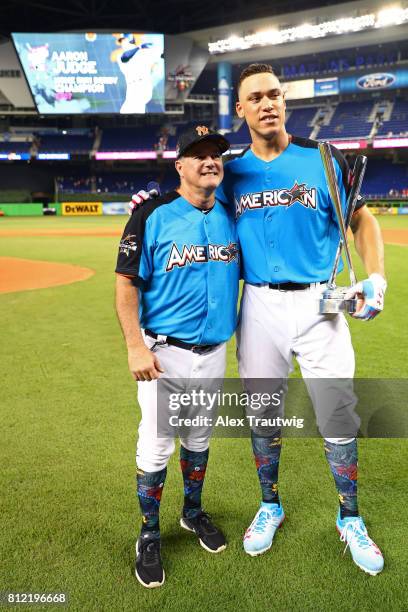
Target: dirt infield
(391, 236)
(395, 236)
(21, 274)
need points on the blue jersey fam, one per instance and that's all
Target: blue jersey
(186, 264)
(287, 226)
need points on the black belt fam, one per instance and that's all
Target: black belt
(195, 348)
(293, 286)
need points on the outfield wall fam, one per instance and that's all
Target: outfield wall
(76, 209)
(66, 209)
(21, 210)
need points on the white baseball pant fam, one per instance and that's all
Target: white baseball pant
(276, 326)
(153, 452)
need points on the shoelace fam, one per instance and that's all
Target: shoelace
(205, 515)
(204, 520)
(355, 530)
(261, 520)
(151, 553)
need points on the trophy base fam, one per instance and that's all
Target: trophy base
(333, 301)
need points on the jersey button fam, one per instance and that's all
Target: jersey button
(276, 269)
(272, 244)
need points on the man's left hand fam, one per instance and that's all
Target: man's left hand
(370, 294)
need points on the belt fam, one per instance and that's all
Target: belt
(195, 348)
(293, 286)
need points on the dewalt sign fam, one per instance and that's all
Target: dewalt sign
(72, 209)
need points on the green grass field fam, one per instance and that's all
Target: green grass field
(68, 422)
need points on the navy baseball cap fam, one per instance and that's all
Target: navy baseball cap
(200, 133)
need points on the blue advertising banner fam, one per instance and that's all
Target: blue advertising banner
(374, 81)
(94, 73)
(15, 156)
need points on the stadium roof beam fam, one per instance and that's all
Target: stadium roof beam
(49, 7)
(170, 16)
(302, 23)
(81, 5)
(310, 31)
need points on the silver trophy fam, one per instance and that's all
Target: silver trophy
(333, 298)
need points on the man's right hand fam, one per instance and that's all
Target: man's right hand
(137, 200)
(143, 364)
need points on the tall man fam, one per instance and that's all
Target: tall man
(288, 234)
(178, 265)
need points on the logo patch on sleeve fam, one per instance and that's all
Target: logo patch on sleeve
(127, 244)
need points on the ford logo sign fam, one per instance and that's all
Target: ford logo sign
(379, 80)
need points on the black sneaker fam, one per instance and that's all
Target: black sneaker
(209, 536)
(149, 569)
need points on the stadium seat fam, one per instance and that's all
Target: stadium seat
(398, 122)
(7, 146)
(60, 143)
(299, 121)
(383, 177)
(350, 120)
(130, 139)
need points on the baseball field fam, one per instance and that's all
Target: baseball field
(68, 427)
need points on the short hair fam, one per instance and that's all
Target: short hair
(254, 69)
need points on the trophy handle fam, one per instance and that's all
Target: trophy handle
(357, 176)
(331, 179)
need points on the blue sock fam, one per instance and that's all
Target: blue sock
(267, 456)
(342, 460)
(193, 466)
(149, 491)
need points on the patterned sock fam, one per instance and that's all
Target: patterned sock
(149, 491)
(193, 466)
(267, 455)
(342, 459)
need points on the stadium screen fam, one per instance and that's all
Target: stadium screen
(85, 73)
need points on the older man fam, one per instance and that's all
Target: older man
(178, 265)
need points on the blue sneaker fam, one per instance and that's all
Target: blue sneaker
(364, 551)
(259, 535)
